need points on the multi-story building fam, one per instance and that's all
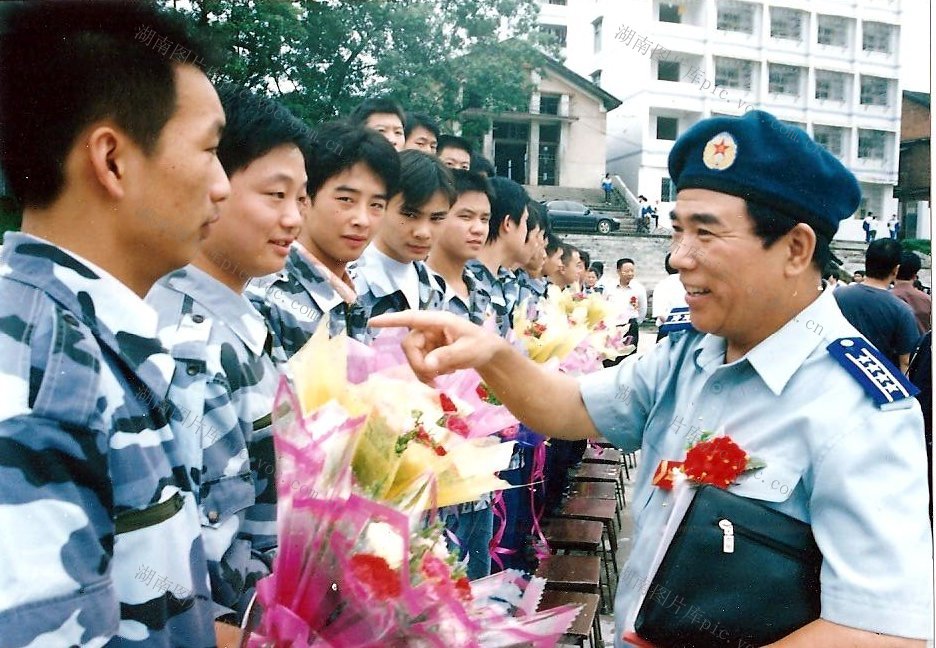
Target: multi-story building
(830, 67)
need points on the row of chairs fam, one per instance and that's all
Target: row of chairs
(583, 539)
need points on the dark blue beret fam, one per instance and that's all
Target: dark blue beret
(760, 159)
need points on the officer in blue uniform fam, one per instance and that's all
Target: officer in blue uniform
(771, 362)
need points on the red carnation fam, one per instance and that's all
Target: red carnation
(463, 589)
(717, 461)
(376, 575)
(447, 405)
(457, 425)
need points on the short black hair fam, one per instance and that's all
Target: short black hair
(586, 258)
(421, 177)
(453, 141)
(467, 181)
(375, 105)
(861, 272)
(536, 218)
(909, 265)
(881, 257)
(567, 251)
(66, 64)
(624, 260)
(413, 121)
(553, 243)
(770, 225)
(831, 270)
(597, 267)
(255, 126)
(336, 146)
(510, 201)
(480, 164)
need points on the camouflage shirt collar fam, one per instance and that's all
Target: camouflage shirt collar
(224, 304)
(312, 280)
(382, 276)
(116, 315)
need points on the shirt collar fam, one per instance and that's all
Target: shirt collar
(322, 292)
(779, 356)
(227, 306)
(117, 315)
(382, 276)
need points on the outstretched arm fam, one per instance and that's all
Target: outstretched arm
(439, 343)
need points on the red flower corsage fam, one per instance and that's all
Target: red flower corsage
(715, 460)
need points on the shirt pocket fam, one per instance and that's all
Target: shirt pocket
(225, 497)
(775, 483)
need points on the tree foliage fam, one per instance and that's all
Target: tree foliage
(322, 57)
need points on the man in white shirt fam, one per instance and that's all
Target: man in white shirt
(630, 300)
(667, 295)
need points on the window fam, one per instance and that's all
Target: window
(786, 23)
(667, 128)
(876, 37)
(596, 34)
(871, 144)
(556, 31)
(667, 190)
(549, 133)
(831, 138)
(833, 30)
(668, 70)
(874, 91)
(596, 77)
(511, 131)
(733, 73)
(670, 12)
(735, 17)
(830, 85)
(784, 79)
(549, 104)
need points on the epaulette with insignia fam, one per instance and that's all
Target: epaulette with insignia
(884, 382)
(677, 320)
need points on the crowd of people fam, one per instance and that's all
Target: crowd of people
(181, 242)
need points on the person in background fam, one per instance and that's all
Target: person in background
(630, 300)
(905, 290)
(608, 187)
(590, 284)
(352, 173)
(858, 276)
(111, 148)
(225, 373)
(482, 165)
(391, 275)
(420, 133)
(571, 267)
(887, 322)
(384, 115)
(893, 226)
(454, 151)
(830, 278)
(869, 225)
(667, 295)
(552, 268)
(530, 276)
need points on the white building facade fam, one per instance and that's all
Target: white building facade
(830, 67)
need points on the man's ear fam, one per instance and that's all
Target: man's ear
(801, 244)
(108, 148)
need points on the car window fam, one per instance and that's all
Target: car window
(577, 207)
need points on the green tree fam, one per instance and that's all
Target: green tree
(322, 57)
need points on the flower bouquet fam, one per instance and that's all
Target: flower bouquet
(575, 329)
(364, 450)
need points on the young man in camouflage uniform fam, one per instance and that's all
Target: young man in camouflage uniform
(225, 375)
(109, 143)
(461, 238)
(352, 173)
(391, 275)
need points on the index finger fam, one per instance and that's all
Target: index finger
(412, 319)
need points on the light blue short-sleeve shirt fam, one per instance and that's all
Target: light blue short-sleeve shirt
(855, 473)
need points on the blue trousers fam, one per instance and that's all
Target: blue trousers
(474, 531)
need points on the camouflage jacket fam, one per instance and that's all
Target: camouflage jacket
(224, 385)
(294, 301)
(493, 287)
(387, 286)
(530, 290)
(98, 514)
(478, 308)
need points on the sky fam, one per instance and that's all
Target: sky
(915, 38)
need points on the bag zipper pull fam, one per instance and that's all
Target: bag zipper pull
(728, 538)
